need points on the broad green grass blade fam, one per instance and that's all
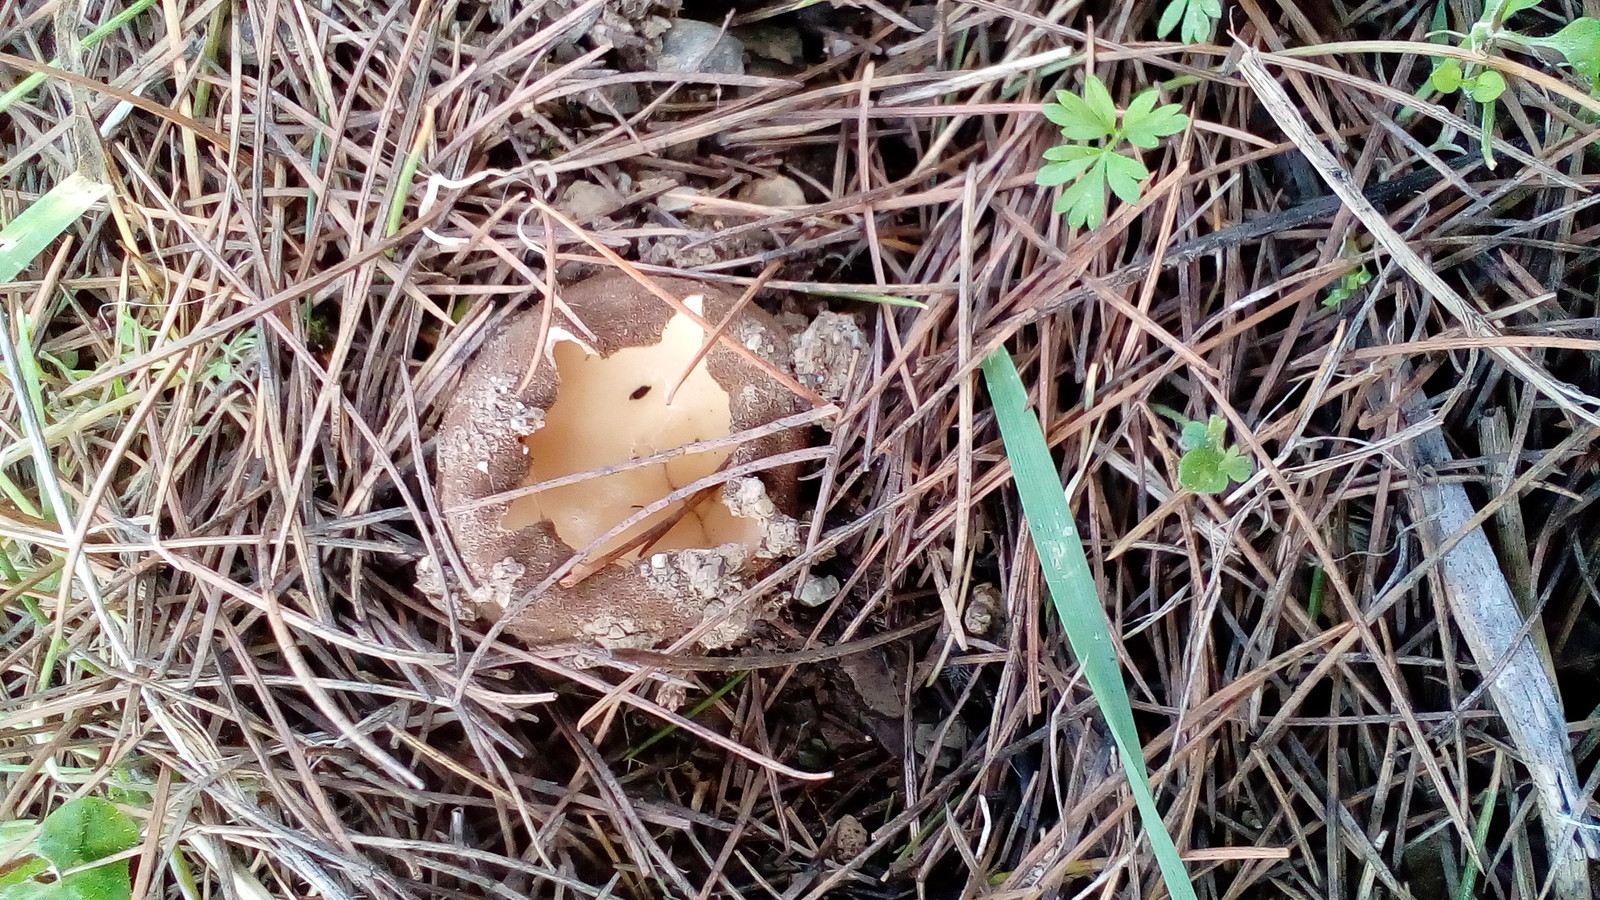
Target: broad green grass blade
(1072, 588)
(28, 234)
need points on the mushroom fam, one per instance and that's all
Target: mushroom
(597, 403)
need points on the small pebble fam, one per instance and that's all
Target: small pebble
(848, 839)
(773, 190)
(585, 201)
(818, 589)
(691, 47)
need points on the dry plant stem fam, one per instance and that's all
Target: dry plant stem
(1492, 624)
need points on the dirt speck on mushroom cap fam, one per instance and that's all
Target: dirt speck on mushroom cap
(644, 598)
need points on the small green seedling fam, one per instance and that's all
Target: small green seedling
(1093, 160)
(1197, 17)
(1206, 467)
(71, 841)
(1348, 284)
(1578, 43)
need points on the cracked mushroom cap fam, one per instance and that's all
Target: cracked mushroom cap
(600, 402)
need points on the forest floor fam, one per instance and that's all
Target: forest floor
(1362, 657)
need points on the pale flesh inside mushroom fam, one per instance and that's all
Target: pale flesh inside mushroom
(613, 409)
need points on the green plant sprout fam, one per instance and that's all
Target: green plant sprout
(1093, 160)
(1197, 17)
(65, 860)
(1349, 283)
(1207, 467)
(1578, 43)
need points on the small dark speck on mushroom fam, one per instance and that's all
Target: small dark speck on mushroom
(639, 392)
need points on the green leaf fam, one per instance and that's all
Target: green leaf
(1200, 470)
(38, 890)
(1197, 21)
(1063, 172)
(1579, 42)
(1076, 600)
(26, 236)
(1216, 431)
(1078, 122)
(1447, 78)
(1347, 287)
(1196, 17)
(79, 833)
(1194, 435)
(1139, 109)
(22, 873)
(1511, 7)
(1087, 208)
(1236, 466)
(1147, 129)
(1170, 17)
(1124, 173)
(1100, 104)
(1487, 86)
(1069, 152)
(84, 831)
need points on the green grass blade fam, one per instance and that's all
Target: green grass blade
(26, 236)
(696, 710)
(1480, 834)
(123, 17)
(1072, 589)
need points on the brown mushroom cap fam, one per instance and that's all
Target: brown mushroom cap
(495, 438)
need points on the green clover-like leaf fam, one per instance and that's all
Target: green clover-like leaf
(1236, 466)
(1447, 78)
(1170, 17)
(1195, 16)
(1197, 21)
(1487, 86)
(1194, 435)
(1200, 470)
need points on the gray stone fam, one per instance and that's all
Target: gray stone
(818, 590)
(690, 47)
(773, 190)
